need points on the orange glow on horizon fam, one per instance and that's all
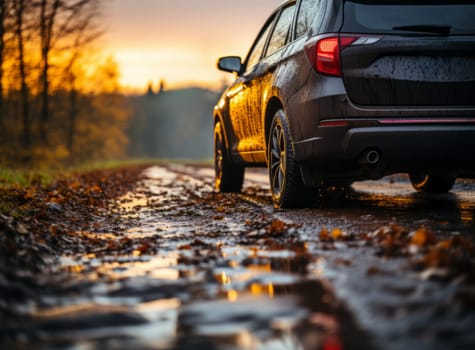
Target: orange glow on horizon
(179, 42)
(176, 67)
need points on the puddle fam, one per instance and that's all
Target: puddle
(243, 323)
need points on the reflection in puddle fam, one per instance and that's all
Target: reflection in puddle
(395, 200)
(155, 327)
(247, 323)
(467, 214)
(132, 201)
(158, 267)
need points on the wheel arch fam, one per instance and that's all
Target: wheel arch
(218, 118)
(272, 107)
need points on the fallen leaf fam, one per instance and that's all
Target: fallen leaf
(277, 227)
(422, 237)
(324, 235)
(337, 233)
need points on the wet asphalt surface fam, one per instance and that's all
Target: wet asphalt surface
(222, 271)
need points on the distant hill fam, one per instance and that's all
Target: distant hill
(173, 124)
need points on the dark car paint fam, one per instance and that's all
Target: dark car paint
(411, 71)
(324, 153)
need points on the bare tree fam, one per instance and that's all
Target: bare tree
(85, 30)
(73, 100)
(19, 10)
(48, 13)
(3, 17)
(45, 45)
(61, 21)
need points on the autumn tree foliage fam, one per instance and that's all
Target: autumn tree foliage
(59, 100)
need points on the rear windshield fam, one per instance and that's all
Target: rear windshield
(410, 17)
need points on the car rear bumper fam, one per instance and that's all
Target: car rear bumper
(401, 148)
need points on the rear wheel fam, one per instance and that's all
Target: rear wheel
(286, 183)
(228, 176)
(432, 183)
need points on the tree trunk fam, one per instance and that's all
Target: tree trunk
(73, 113)
(44, 74)
(2, 50)
(25, 112)
(47, 22)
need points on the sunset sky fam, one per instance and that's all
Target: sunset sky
(179, 41)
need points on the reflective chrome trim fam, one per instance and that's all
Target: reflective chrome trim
(366, 40)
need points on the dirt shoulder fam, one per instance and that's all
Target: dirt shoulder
(39, 224)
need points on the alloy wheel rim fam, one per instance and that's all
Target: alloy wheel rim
(218, 159)
(277, 161)
(420, 179)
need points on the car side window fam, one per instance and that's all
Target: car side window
(305, 15)
(256, 52)
(281, 30)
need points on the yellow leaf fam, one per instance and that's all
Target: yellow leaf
(337, 233)
(422, 237)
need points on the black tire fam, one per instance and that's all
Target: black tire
(228, 176)
(432, 183)
(285, 179)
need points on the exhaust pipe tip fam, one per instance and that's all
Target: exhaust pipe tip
(373, 157)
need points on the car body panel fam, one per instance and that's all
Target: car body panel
(411, 71)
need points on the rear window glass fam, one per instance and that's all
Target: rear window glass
(418, 17)
(305, 15)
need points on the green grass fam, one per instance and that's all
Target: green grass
(22, 177)
(114, 163)
(110, 164)
(11, 177)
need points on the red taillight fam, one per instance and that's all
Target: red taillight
(333, 123)
(324, 54)
(328, 56)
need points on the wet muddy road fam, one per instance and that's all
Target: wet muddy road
(217, 271)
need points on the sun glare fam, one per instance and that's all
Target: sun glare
(179, 42)
(177, 67)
